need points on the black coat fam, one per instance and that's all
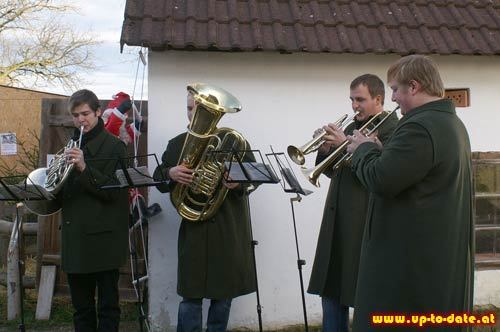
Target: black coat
(214, 256)
(94, 230)
(335, 269)
(417, 253)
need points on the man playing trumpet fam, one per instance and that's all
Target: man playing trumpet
(418, 249)
(335, 268)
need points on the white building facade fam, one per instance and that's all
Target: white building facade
(285, 97)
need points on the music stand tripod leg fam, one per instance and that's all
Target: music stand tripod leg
(134, 258)
(18, 225)
(254, 243)
(300, 262)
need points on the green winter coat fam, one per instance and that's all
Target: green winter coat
(94, 229)
(335, 269)
(417, 253)
(214, 256)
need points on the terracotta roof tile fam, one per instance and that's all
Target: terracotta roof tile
(340, 26)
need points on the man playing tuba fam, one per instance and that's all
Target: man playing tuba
(214, 254)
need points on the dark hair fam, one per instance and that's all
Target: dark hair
(82, 97)
(372, 82)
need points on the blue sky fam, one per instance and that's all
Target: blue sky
(114, 71)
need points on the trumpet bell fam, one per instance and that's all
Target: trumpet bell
(296, 155)
(312, 175)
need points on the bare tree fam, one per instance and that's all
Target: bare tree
(36, 48)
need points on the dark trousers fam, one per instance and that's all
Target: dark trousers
(83, 289)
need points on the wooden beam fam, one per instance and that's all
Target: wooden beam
(28, 228)
(51, 259)
(45, 292)
(28, 281)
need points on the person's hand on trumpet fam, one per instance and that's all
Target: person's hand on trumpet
(334, 136)
(357, 138)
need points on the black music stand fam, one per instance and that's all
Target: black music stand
(253, 173)
(18, 189)
(290, 184)
(132, 173)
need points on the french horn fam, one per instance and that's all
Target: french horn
(50, 180)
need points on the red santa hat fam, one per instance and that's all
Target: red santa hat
(118, 98)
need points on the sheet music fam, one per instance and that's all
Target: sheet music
(255, 172)
(139, 176)
(25, 191)
(293, 182)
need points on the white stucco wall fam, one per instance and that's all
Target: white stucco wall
(285, 98)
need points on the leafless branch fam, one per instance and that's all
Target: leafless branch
(40, 48)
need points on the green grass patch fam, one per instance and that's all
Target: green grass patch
(61, 313)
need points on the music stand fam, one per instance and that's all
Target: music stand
(17, 189)
(132, 173)
(290, 184)
(253, 173)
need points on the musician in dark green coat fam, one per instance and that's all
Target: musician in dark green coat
(335, 270)
(94, 225)
(214, 256)
(417, 253)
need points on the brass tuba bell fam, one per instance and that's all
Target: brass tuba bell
(201, 199)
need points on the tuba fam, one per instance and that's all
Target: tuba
(206, 149)
(51, 179)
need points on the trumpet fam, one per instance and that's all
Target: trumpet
(339, 155)
(297, 154)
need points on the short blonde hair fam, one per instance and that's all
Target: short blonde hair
(419, 68)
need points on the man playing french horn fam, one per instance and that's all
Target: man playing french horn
(214, 248)
(335, 268)
(94, 227)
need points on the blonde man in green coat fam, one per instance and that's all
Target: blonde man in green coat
(94, 229)
(417, 254)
